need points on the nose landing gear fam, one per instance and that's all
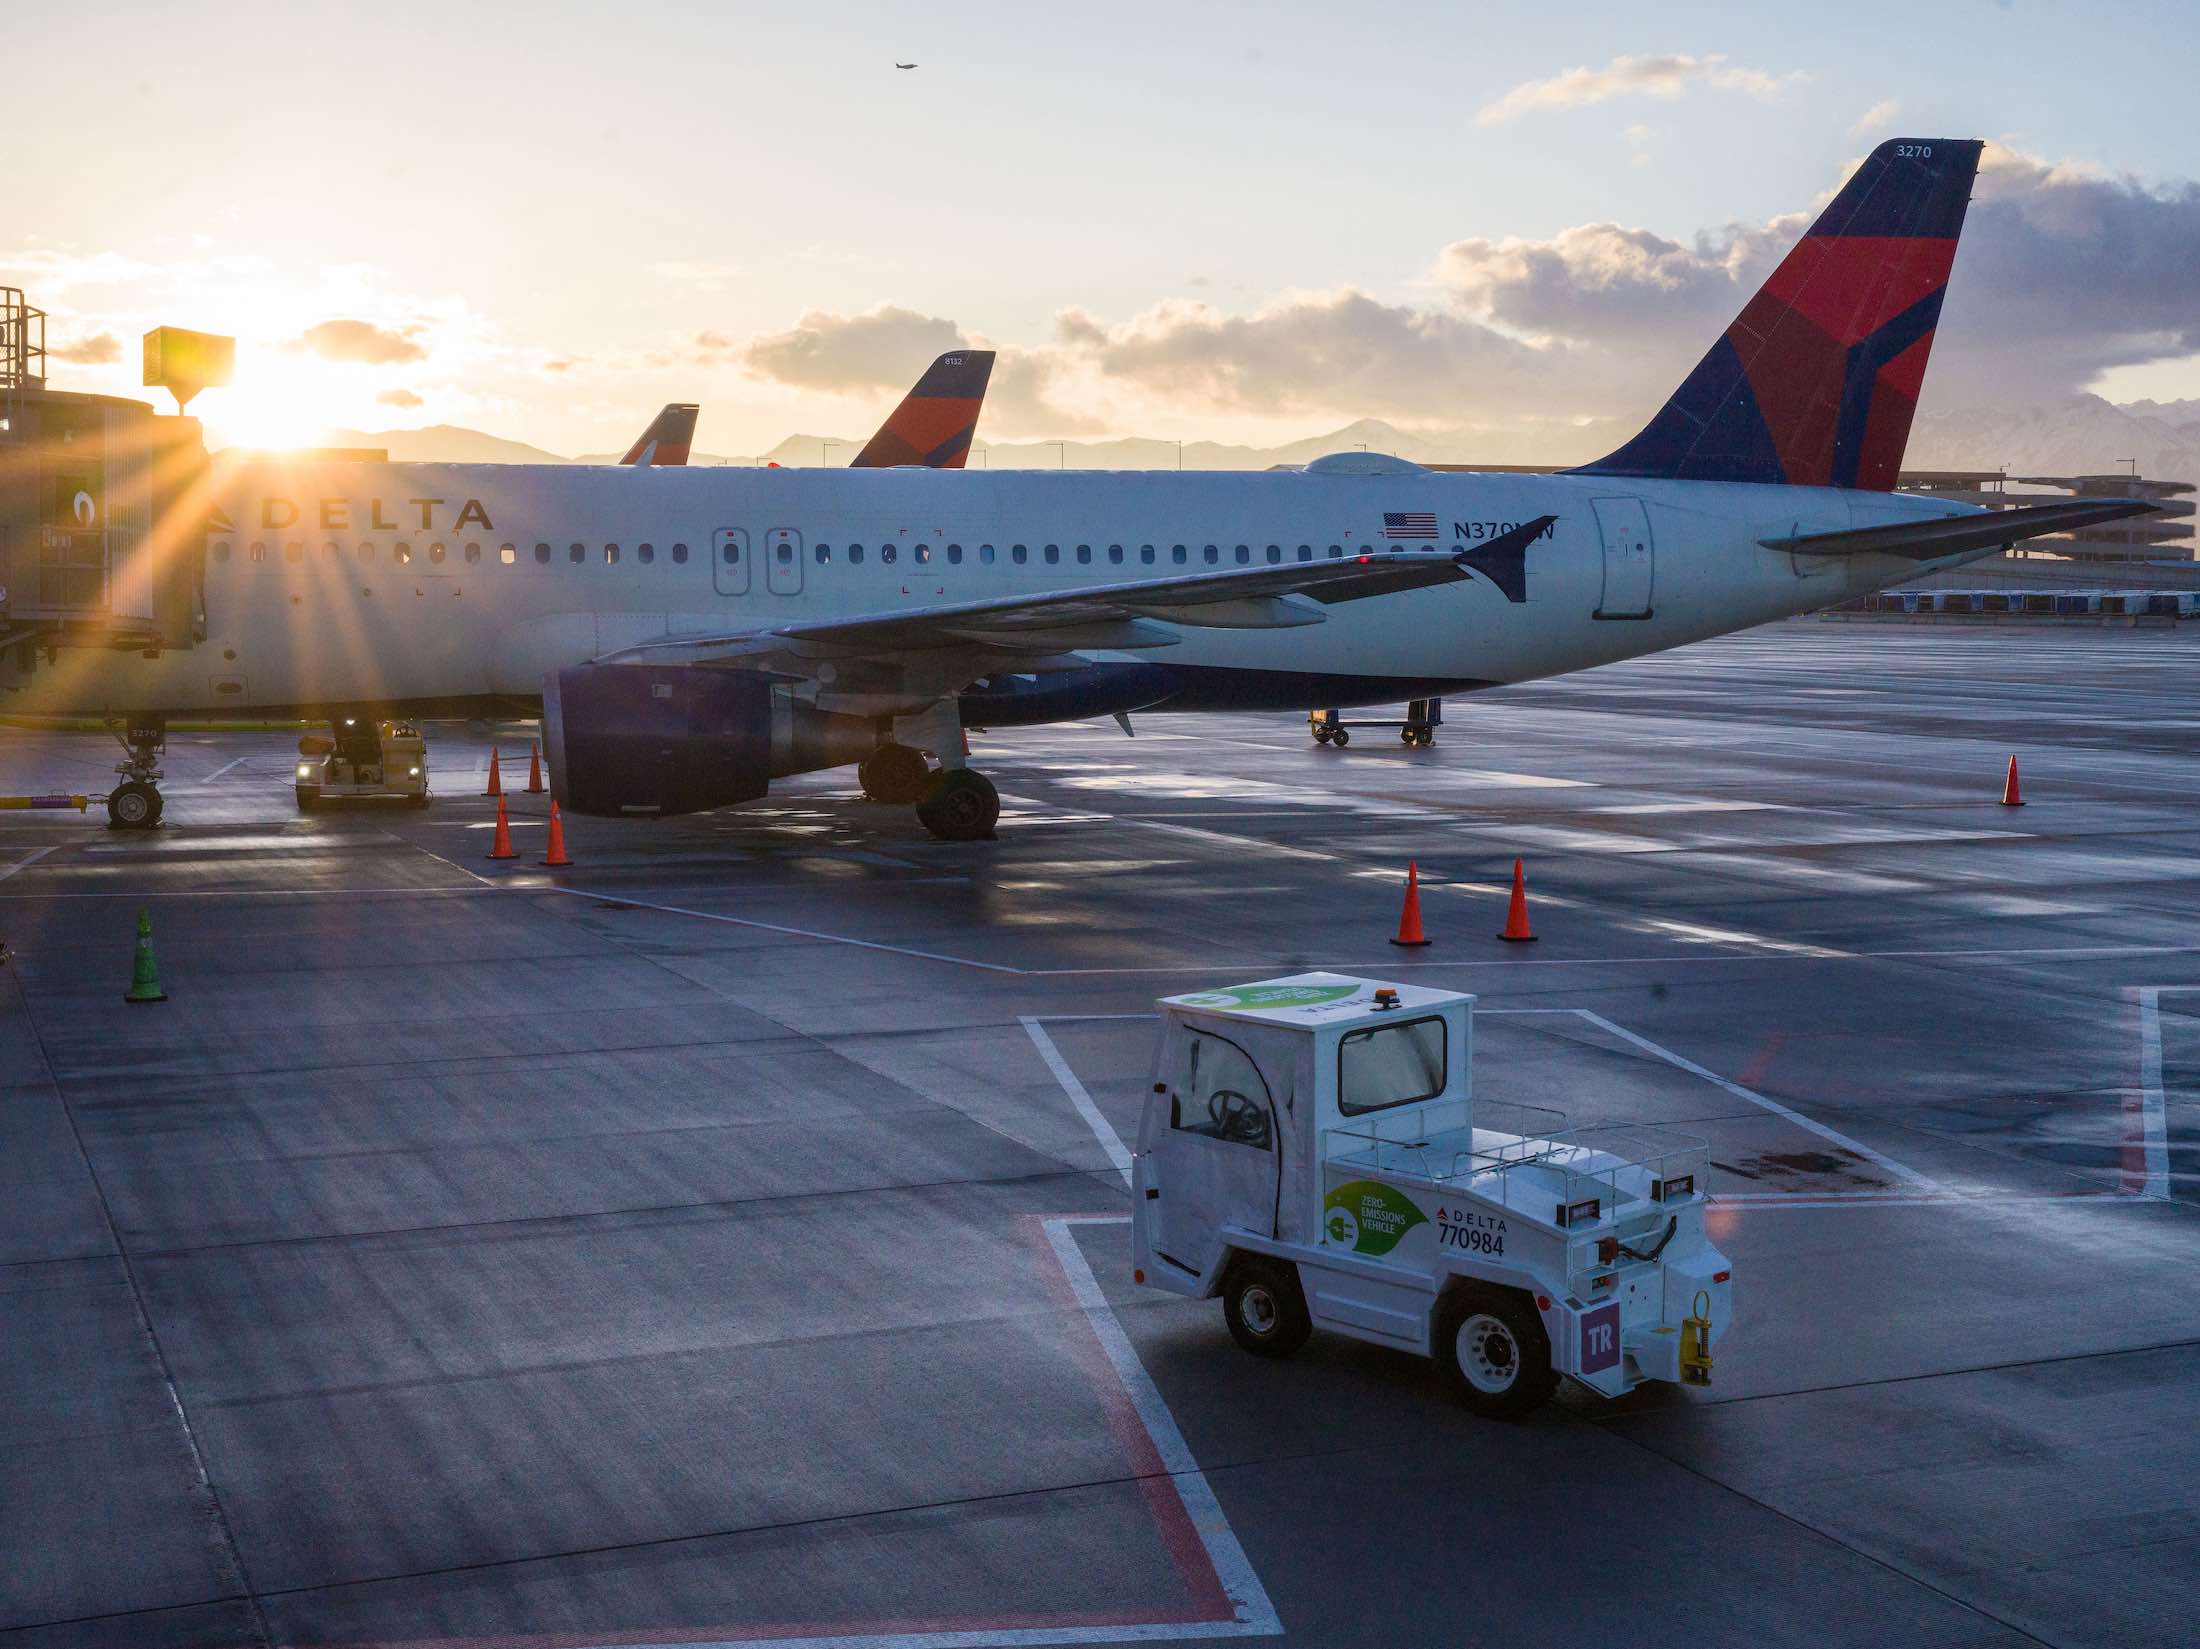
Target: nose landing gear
(136, 803)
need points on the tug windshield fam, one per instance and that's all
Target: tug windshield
(1388, 1065)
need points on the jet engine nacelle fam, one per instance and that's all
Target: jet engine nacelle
(642, 739)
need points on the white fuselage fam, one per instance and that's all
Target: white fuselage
(374, 583)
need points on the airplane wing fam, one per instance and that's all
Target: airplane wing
(667, 439)
(1116, 616)
(1962, 534)
(934, 424)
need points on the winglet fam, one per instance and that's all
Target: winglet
(934, 424)
(666, 440)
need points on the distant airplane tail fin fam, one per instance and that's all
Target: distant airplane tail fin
(1817, 380)
(666, 440)
(935, 422)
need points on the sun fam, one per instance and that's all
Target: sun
(282, 399)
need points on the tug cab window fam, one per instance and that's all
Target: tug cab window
(1388, 1065)
(1223, 1096)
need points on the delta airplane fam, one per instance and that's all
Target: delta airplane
(692, 635)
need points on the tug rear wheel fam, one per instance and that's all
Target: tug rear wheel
(1494, 1353)
(1265, 1307)
(1340, 738)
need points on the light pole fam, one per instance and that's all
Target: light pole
(1180, 455)
(1061, 453)
(824, 447)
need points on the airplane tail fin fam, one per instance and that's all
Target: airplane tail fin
(934, 424)
(1816, 381)
(667, 439)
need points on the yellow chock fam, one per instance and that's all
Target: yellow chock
(145, 975)
(1696, 1342)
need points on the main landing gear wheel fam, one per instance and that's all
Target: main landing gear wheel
(1265, 1308)
(895, 773)
(1494, 1353)
(963, 806)
(133, 805)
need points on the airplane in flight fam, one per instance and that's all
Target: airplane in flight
(692, 636)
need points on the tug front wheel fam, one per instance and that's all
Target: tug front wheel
(1265, 1307)
(962, 806)
(1493, 1351)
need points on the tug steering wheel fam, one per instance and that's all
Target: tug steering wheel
(1235, 1117)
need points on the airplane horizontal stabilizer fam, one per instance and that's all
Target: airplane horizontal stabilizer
(1963, 534)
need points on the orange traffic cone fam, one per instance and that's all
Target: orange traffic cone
(2009, 796)
(534, 767)
(556, 855)
(1516, 915)
(1409, 919)
(501, 848)
(496, 784)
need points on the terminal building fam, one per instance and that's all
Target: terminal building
(2167, 536)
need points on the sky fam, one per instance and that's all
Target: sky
(1518, 222)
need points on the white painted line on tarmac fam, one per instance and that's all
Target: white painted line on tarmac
(778, 927)
(1102, 1129)
(2154, 1113)
(28, 859)
(225, 767)
(1256, 1616)
(1832, 1135)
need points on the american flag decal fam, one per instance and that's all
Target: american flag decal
(1411, 524)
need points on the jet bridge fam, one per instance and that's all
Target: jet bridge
(103, 511)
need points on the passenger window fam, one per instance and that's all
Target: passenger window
(1016, 553)
(822, 554)
(954, 555)
(332, 551)
(402, 555)
(1244, 554)
(542, 555)
(1306, 552)
(1388, 1065)
(1336, 552)
(985, 554)
(1224, 1096)
(887, 552)
(1053, 554)
(508, 554)
(473, 553)
(645, 553)
(1145, 554)
(611, 555)
(679, 555)
(1115, 554)
(221, 551)
(294, 553)
(1084, 554)
(577, 553)
(855, 555)
(1213, 555)
(366, 552)
(1275, 554)
(921, 554)
(259, 552)
(731, 553)
(435, 553)
(1176, 554)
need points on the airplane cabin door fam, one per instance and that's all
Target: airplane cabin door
(729, 561)
(783, 564)
(1629, 557)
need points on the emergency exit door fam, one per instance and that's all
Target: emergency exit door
(1630, 557)
(729, 561)
(783, 561)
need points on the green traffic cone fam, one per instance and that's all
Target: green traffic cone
(145, 976)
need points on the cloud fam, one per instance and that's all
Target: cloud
(1879, 114)
(361, 341)
(1668, 75)
(884, 349)
(398, 398)
(100, 349)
